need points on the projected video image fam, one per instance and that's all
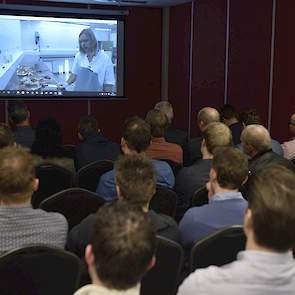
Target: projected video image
(63, 56)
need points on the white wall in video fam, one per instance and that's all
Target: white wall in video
(64, 54)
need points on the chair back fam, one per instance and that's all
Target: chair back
(88, 176)
(74, 203)
(39, 270)
(200, 197)
(163, 277)
(219, 248)
(164, 201)
(52, 179)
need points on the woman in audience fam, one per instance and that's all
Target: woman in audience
(48, 144)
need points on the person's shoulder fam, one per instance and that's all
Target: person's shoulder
(53, 217)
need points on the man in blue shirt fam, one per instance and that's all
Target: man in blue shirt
(135, 140)
(226, 204)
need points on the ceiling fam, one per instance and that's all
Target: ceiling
(151, 3)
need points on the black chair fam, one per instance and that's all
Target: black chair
(219, 248)
(163, 277)
(200, 197)
(52, 179)
(69, 151)
(74, 203)
(39, 270)
(164, 201)
(88, 176)
(176, 167)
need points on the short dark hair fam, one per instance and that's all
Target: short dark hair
(18, 112)
(231, 166)
(123, 244)
(87, 126)
(227, 111)
(249, 117)
(6, 136)
(137, 134)
(17, 171)
(158, 122)
(135, 176)
(216, 135)
(271, 197)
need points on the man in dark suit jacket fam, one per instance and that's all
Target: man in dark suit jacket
(136, 183)
(205, 116)
(93, 146)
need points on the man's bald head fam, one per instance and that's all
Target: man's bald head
(255, 139)
(206, 116)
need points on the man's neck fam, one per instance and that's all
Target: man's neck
(220, 190)
(252, 245)
(23, 124)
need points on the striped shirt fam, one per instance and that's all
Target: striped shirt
(21, 225)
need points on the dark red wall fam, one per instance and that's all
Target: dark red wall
(143, 80)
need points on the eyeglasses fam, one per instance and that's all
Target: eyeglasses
(292, 122)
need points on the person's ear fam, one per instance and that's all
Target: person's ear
(245, 180)
(118, 190)
(152, 263)
(80, 136)
(35, 184)
(89, 256)
(212, 174)
(248, 221)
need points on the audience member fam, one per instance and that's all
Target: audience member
(205, 116)
(19, 115)
(159, 147)
(172, 134)
(6, 136)
(120, 252)
(135, 183)
(48, 144)
(250, 117)
(256, 143)
(192, 178)
(230, 117)
(20, 225)
(226, 204)
(267, 265)
(136, 139)
(289, 146)
(93, 146)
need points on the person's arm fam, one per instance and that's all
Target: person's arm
(109, 78)
(72, 78)
(107, 88)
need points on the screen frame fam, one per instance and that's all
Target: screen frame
(65, 12)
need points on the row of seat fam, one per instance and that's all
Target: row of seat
(45, 270)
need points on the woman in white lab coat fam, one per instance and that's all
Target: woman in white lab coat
(92, 68)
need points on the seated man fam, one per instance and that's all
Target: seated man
(135, 183)
(6, 136)
(136, 139)
(205, 116)
(192, 178)
(289, 146)
(256, 143)
(93, 146)
(19, 115)
(267, 265)
(159, 147)
(120, 252)
(226, 204)
(20, 225)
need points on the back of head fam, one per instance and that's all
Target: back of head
(158, 122)
(271, 196)
(6, 136)
(228, 112)
(216, 135)
(208, 115)
(18, 112)
(231, 166)
(17, 172)
(137, 134)
(257, 136)
(166, 108)
(123, 244)
(136, 179)
(249, 117)
(48, 139)
(87, 126)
